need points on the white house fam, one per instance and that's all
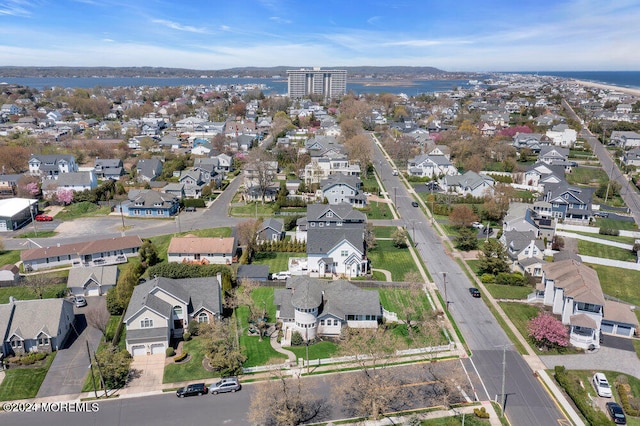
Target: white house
(75, 181)
(562, 135)
(335, 252)
(470, 183)
(573, 292)
(314, 307)
(343, 189)
(431, 166)
(202, 250)
(51, 166)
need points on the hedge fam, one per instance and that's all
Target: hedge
(626, 396)
(180, 357)
(194, 202)
(185, 270)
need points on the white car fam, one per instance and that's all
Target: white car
(602, 385)
(79, 301)
(477, 225)
(281, 275)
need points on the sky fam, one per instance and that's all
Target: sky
(462, 35)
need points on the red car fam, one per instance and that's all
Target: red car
(43, 218)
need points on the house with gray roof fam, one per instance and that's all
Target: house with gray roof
(149, 203)
(631, 157)
(336, 252)
(149, 169)
(317, 308)
(525, 251)
(92, 280)
(76, 181)
(270, 230)
(470, 183)
(108, 168)
(51, 166)
(431, 166)
(253, 272)
(555, 156)
(40, 325)
(625, 139)
(329, 216)
(339, 188)
(162, 308)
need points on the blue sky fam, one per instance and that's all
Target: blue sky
(463, 35)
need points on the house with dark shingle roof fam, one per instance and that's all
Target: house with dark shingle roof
(150, 203)
(92, 280)
(76, 181)
(470, 183)
(162, 308)
(108, 168)
(270, 230)
(148, 169)
(329, 216)
(334, 251)
(51, 166)
(339, 188)
(315, 307)
(525, 251)
(40, 325)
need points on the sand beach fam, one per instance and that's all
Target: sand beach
(630, 91)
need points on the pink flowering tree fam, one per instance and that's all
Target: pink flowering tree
(65, 196)
(547, 331)
(33, 188)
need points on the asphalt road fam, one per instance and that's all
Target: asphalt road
(527, 401)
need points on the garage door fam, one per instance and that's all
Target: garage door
(138, 350)
(157, 349)
(92, 291)
(606, 327)
(623, 330)
(3, 226)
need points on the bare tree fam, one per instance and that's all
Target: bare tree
(247, 235)
(37, 284)
(98, 317)
(261, 171)
(448, 382)
(286, 402)
(360, 149)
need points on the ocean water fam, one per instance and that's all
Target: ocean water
(629, 79)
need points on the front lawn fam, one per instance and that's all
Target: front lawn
(84, 208)
(616, 238)
(38, 234)
(8, 257)
(589, 248)
(384, 231)
(190, 370)
(508, 291)
(395, 299)
(253, 210)
(397, 261)
(320, 350)
(277, 261)
(623, 284)
(377, 210)
(586, 176)
(24, 383)
(626, 225)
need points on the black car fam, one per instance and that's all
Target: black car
(192, 389)
(415, 204)
(616, 413)
(474, 292)
(487, 231)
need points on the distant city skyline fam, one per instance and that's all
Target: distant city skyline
(465, 35)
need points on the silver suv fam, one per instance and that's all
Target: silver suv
(228, 384)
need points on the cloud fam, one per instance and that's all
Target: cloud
(279, 20)
(373, 20)
(179, 27)
(16, 8)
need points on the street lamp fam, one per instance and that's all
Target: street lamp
(444, 281)
(394, 196)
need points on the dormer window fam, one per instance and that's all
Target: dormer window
(146, 323)
(329, 214)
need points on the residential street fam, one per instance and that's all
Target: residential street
(528, 403)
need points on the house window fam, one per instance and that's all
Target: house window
(335, 322)
(344, 253)
(339, 223)
(177, 311)
(322, 322)
(159, 212)
(329, 214)
(43, 341)
(313, 224)
(149, 212)
(16, 343)
(203, 317)
(146, 323)
(136, 212)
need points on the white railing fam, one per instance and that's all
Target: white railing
(399, 353)
(263, 368)
(389, 316)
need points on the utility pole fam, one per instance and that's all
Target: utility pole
(93, 378)
(504, 367)
(104, 386)
(444, 281)
(394, 196)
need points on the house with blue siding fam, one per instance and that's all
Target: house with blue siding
(569, 202)
(149, 203)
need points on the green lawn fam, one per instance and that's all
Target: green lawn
(85, 208)
(469, 420)
(377, 210)
(320, 350)
(277, 261)
(384, 231)
(38, 234)
(616, 224)
(397, 261)
(395, 299)
(586, 176)
(9, 257)
(617, 238)
(190, 370)
(452, 231)
(370, 183)
(253, 209)
(508, 291)
(162, 241)
(25, 293)
(526, 195)
(589, 248)
(24, 383)
(623, 284)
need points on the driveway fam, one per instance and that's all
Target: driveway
(146, 374)
(69, 368)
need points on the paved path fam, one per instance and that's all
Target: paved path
(278, 348)
(386, 273)
(610, 262)
(146, 374)
(595, 240)
(604, 358)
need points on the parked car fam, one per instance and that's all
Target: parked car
(617, 413)
(283, 275)
(395, 172)
(228, 384)
(190, 209)
(79, 301)
(43, 218)
(602, 385)
(432, 186)
(487, 231)
(415, 204)
(192, 389)
(601, 214)
(474, 292)
(477, 225)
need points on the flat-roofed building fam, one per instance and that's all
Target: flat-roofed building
(328, 83)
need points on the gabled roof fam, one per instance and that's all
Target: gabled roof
(342, 211)
(470, 180)
(73, 179)
(323, 240)
(30, 317)
(196, 245)
(275, 224)
(91, 247)
(103, 275)
(577, 280)
(151, 199)
(340, 179)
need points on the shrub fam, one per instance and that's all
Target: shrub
(481, 413)
(513, 279)
(170, 352)
(193, 328)
(181, 357)
(628, 402)
(186, 336)
(573, 386)
(488, 279)
(609, 231)
(32, 358)
(194, 202)
(296, 339)
(113, 305)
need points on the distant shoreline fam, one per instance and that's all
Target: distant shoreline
(627, 90)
